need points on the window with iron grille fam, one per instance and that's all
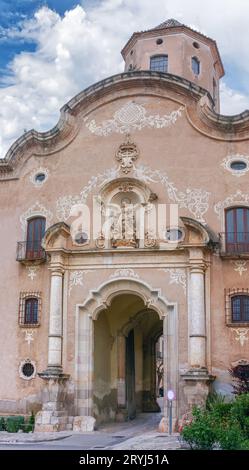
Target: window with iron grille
(237, 306)
(159, 63)
(30, 309)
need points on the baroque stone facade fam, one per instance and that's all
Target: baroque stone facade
(120, 215)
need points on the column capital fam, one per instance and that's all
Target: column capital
(56, 269)
(198, 268)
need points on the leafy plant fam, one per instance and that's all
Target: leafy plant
(15, 423)
(220, 424)
(2, 424)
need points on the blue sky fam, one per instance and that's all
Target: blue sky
(51, 50)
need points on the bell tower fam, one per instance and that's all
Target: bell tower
(179, 50)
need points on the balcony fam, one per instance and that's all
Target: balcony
(234, 244)
(30, 252)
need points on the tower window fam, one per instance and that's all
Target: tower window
(159, 41)
(159, 63)
(196, 45)
(196, 65)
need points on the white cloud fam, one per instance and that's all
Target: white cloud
(84, 46)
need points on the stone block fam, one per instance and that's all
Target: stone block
(84, 424)
(46, 417)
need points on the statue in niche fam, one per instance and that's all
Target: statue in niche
(124, 227)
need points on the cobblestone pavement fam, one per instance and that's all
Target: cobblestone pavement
(141, 433)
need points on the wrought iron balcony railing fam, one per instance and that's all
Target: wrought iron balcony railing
(233, 243)
(30, 251)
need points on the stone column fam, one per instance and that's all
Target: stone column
(197, 320)
(55, 322)
(121, 386)
(197, 378)
(53, 416)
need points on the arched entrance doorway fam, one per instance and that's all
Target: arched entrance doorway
(136, 299)
(124, 369)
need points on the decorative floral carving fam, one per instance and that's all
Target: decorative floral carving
(195, 200)
(29, 336)
(237, 198)
(126, 187)
(126, 155)
(150, 241)
(226, 163)
(35, 172)
(124, 272)
(65, 203)
(100, 242)
(177, 276)
(240, 267)
(131, 117)
(75, 279)
(32, 272)
(241, 335)
(35, 211)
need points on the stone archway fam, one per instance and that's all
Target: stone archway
(88, 312)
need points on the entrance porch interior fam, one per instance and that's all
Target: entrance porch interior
(124, 373)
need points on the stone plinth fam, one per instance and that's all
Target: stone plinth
(84, 423)
(53, 416)
(197, 386)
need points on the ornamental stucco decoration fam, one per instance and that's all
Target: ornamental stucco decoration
(241, 335)
(132, 117)
(29, 336)
(195, 200)
(35, 211)
(39, 184)
(177, 276)
(65, 203)
(32, 272)
(126, 155)
(240, 267)
(124, 272)
(76, 279)
(226, 163)
(237, 198)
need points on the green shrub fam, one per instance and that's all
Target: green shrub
(240, 412)
(2, 424)
(14, 423)
(229, 435)
(225, 425)
(200, 433)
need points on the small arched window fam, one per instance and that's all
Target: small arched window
(31, 311)
(237, 230)
(240, 308)
(159, 63)
(196, 66)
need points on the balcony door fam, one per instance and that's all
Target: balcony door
(35, 233)
(237, 230)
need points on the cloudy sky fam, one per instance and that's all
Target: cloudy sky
(50, 50)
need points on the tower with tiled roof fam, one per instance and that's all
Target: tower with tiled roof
(174, 48)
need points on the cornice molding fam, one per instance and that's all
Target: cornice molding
(201, 116)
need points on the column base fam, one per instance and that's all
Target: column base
(150, 404)
(53, 416)
(197, 386)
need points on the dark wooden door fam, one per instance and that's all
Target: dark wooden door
(35, 233)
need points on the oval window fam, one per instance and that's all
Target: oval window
(40, 177)
(81, 238)
(173, 235)
(238, 165)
